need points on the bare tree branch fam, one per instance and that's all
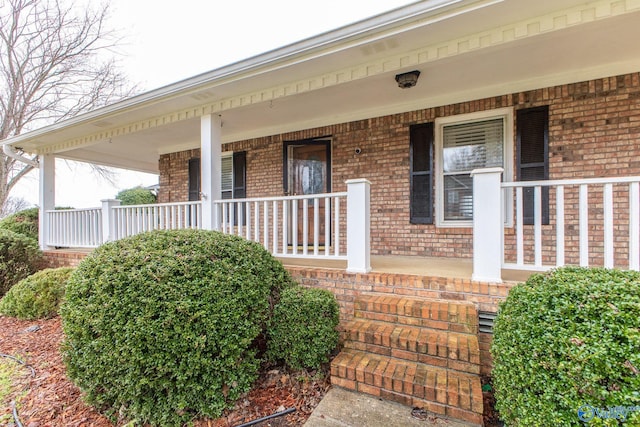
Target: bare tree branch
(53, 65)
(13, 205)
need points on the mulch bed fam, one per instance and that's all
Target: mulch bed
(491, 417)
(52, 400)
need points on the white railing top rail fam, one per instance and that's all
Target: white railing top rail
(73, 210)
(280, 198)
(575, 181)
(151, 205)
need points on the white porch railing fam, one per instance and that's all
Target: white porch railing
(328, 226)
(586, 222)
(135, 219)
(310, 226)
(79, 228)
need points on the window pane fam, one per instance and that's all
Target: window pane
(458, 197)
(468, 146)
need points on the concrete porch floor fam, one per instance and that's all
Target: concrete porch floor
(459, 268)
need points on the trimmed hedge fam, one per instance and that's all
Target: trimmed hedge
(160, 327)
(303, 328)
(37, 296)
(24, 222)
(19, 257)
(567, 345)
(136, 196)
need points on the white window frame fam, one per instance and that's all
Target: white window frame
(508, 158)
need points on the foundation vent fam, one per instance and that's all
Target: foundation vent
(485, 321)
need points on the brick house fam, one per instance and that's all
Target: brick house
(515, 150)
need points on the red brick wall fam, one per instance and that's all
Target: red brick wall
(594, 130)
(174, 176)
(63, 258)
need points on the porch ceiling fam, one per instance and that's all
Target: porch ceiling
(464, 49)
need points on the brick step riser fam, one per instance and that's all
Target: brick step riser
(459, 327)
(449, 311)
(439, 348)
(414, 339)
(436, 389)
(470, 367)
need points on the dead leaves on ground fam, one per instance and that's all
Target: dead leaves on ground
(52, 400)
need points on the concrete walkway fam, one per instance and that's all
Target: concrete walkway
(344, 408)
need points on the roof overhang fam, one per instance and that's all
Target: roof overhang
(464, 50)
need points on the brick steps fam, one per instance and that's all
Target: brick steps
(451, 350)
(414, 351)
(456, 316)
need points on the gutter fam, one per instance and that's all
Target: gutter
(11, 152)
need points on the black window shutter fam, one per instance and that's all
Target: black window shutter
(240, 175)
(194, 179)
(421, 174)
(239, 182)
(533, 157)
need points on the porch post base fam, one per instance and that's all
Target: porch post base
(488, 224)
(475, 278)
(109, 232)
(358, 226)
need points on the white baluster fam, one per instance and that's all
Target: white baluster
(560, 226)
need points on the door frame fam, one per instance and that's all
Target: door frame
(323, 140)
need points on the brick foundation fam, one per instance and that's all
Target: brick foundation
(62, 258)
(348, 286)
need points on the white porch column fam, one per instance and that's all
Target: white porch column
(210, 169)
(108, 220)
(488, 223)
(358, 226)
(47, 195)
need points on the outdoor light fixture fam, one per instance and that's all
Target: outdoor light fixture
(407, 80)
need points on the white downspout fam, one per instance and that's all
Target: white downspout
(11, 152)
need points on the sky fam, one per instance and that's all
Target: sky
(164, 42)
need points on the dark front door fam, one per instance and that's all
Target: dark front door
(308, 166)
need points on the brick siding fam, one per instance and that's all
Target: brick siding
(62, 258)
(594, 130)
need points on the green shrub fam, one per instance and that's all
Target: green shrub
(136, 196)
(19, 257)
(568, 341)
(24, 222)
(303, 330)
(37, 296)
(160, 327)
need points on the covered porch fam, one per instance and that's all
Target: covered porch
(586, 222)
